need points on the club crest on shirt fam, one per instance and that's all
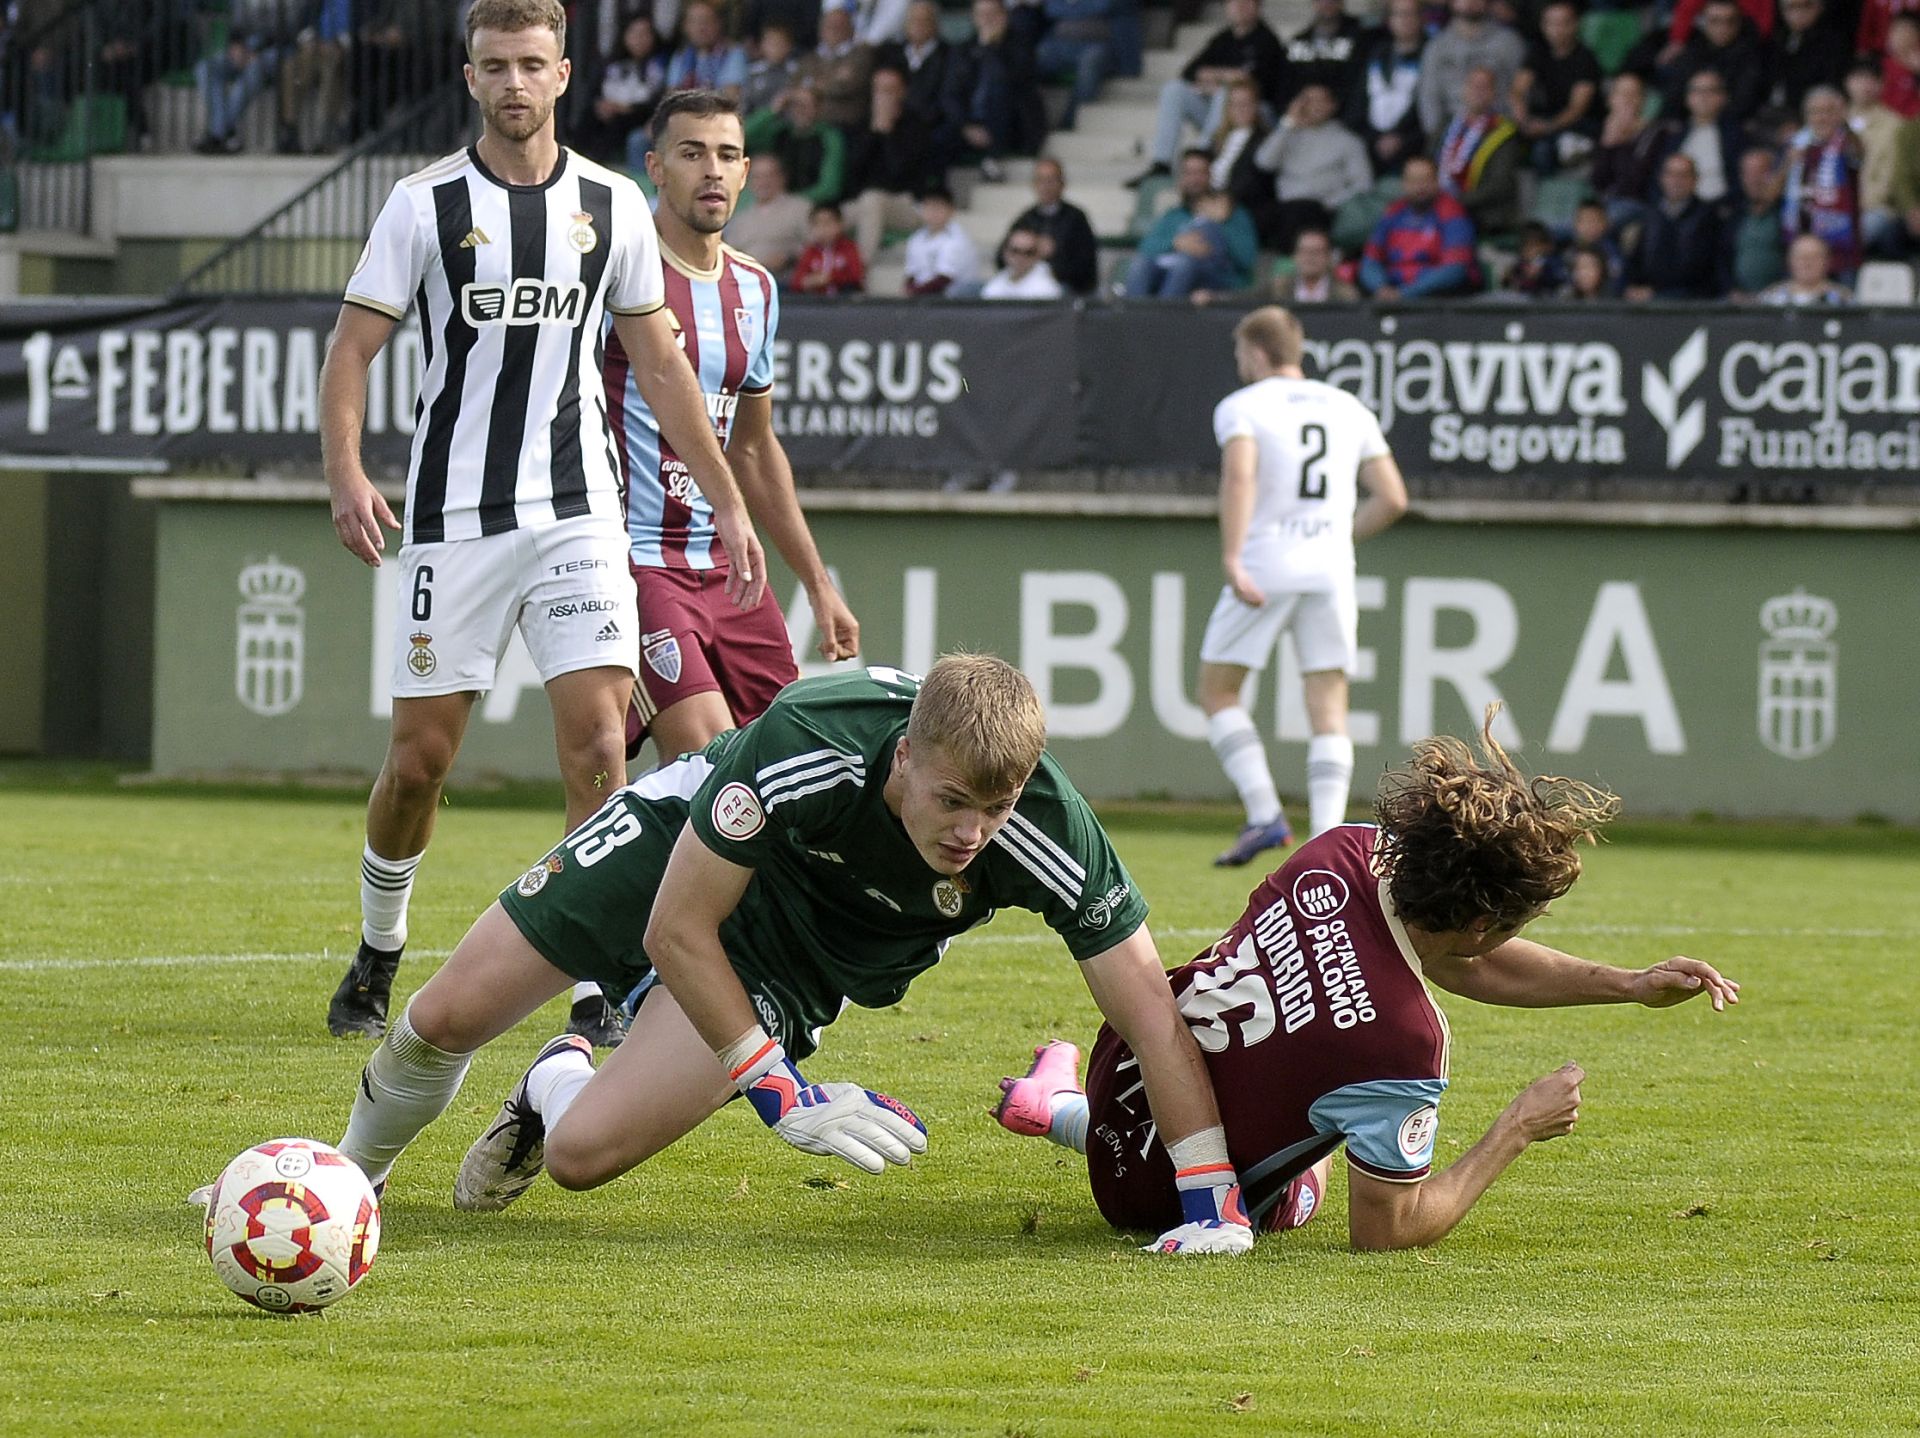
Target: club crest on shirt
(948, 897)
(581, 234)
(535, 879)
(662, 652)
(743, 322)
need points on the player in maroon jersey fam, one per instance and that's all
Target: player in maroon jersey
(1317, 1025)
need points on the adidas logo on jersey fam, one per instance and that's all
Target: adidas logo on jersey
(475, 238)
(608, 634)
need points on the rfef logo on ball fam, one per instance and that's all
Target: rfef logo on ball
(737, 813)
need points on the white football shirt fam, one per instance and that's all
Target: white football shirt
(513, 283)
(1310, 440)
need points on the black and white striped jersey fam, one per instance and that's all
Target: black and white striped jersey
(513, 284)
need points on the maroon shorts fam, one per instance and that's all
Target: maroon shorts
(695, 640)
(1127, 1164)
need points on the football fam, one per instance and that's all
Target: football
(292, 1225)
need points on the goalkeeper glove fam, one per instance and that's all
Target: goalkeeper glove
(841, 1120)
(1215, 1217)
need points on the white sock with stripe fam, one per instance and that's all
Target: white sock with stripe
(1236, 744)
(385, 887)
(1329, 780)
(405, 1086)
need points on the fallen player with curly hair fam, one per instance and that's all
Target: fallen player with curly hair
(1315, 1019)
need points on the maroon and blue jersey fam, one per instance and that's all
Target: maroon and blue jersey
(1408, 242)
(1317, 1030)
(725, 319)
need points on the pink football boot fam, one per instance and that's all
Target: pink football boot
(1027, 1104)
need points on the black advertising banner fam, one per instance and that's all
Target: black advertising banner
(236, 383)
(1550, 392)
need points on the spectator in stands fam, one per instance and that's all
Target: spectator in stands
(840, 70)
(1317, 165)
(993, 94)
(1067, 241)
(878, 23)
(1900, 67)
(775, 227)
(1538, 272)
(1679, 254)
(1727, 43)
(941, 257)
(1628, 155)
(772, 72)
(395, 54)
(1023, 275)
(706, 59)
(1756, 250)
(1329, 52)
(313, 110)
(814, 154)
(1246, 48)
(887, 163)
(1707, 135)
(923, 57)
(1236, 148)
(1823, 181)
(1876, 22)
(1479, 157)
(1809, 278)
(1686, 17)
(1383, 108)
(1079, 42)
(1307, 277)
(1586, 275)
(1192, 183)
(1423, 245)
(1471, 40)
(1905, 194)
(631, 84)
(228, 82)
(144, 41)
(1592, 230)
(1555, 100)
(1879, 130)
(1805, 51)
(830, 264)
(1199, 256)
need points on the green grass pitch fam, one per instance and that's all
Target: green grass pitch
(1726, 1245)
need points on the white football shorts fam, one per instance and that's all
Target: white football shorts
(1325, 627)
(564, 584)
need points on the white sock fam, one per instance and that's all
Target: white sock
(1329, 780)
(1236, 744)
(584, 990)
(556, 1082)
(1069, 1128)
(405, 1086)
(385, 886)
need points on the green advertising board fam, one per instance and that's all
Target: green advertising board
(1750, 670)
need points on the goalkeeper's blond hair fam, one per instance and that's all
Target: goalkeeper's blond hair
(982, 714)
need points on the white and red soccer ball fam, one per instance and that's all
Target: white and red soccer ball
(292, 1225)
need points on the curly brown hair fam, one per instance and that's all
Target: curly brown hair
(1464, 839)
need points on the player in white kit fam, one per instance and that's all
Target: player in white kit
(1294, 455)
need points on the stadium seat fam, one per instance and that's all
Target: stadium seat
(1150, 201)
(1355, 219)
(1610, 34)
(1557, 197)
(96, 125)
(1884, 282)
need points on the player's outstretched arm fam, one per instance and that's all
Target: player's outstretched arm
(1523, 974)
(1383, 1215)
(766, 479)
(667, 383)
(359, 510)
(697, 893)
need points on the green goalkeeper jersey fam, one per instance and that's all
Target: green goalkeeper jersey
(841, 904)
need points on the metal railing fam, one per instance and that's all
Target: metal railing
(310, 244)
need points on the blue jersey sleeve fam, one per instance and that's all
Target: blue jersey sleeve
(760, 368)
(1389, 1125)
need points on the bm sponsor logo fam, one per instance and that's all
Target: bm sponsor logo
(524, 302)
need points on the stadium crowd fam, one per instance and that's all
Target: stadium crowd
(1752, 149)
